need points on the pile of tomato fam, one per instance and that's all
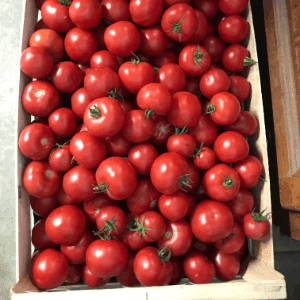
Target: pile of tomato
(139, 160)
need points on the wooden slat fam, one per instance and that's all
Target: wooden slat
(295, 224)
(290, 193)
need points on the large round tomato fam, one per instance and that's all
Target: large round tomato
(201, 31)
(183, 144)
(79, 101)
(208, 7)
(115, 10)
(43, 206)
(61, 159)
(256, 225)
(239, 87)
(236, 7)
(117, 145)
(104, 58)
(133, 240)
(215, 47)
(205, 158)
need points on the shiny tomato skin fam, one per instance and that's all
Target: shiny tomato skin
(198, 268)
(215, 47)
(150, 270)
(205, 159)
(229, 7)
(122, 38)
(163, 130)
(211, 221)
(40, 180)
(49, 270)
(79, 101)
(65, 225)
(118, 175)
(106, 258)
(167, 171)
(240, 87)
(182, 144)
(104, 58)
(230, 146)
(117, 145)
(61, 159)
(36, 141)
(115, 10)
(185, 110)
(249, 170)
(178, 236)
(255, 230)
(92, 281)
(146, 13)
(133, 240)
(85, 13)
(76, 252)
(88, 150)
(43, 206)
(108, 118)
(208, 7)
(201, 31)
(164, 58)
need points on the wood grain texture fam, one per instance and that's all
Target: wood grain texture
(290, 193)
(295, 224)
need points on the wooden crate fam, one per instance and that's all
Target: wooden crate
(257, 280)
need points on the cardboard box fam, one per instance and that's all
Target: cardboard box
(258, 278)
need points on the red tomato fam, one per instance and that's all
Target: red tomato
(40, 25)
(236, 7)
(65, 199)
(192, 85)
(115, 10)
(92, 281)
(242, 251)
(103, 117)
(152, 267)
(211, 221)
(182, 143)
(56, 16)
(230, 147)
(117, 145)
(98, 31)
(164, 58)
(208, 7)
(147, 12)
(193, 176)
(79, 101)
(49, 40)
(116, 177)
(85, 13)
(163, 130)
(168, 3)
(194, 60)
(104, 58)
(122, 38)
(233, 29)
(65, 225)
(199, 192)
(40, 180)
(201, 31)
(214, 82)
(215, 48)
(192, 204)
(49, 269)
(78, 183)
(179, 22)
(127, 276)
(63, 122)
(67, 76)
(205, 158)
(88, 150)
(137, 127)
(185, 110)
(240, 87)
(249, 170)
(36, 141)
(61, 159)
(178, 236)
(177, 270)
(221, 182)
(171, 76)
(43, 206)
(198, 268)
(74, 274)
(35, 62)
(80, 44)
(169, 173)
(106, 258)
(76, 252)
(256, 225)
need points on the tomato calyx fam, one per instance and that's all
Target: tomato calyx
(230, 235)
(198, 56)
(149, 113)
(249, 61)
(136, 60)
(115, 94)
(259, 217)
(102, 187)
(176, 27)
(184, 130)
(59, 146)
(211, 108)
(198, 150)
(155, 70)
(65, 2)
(228, 182)
(108, 227)
(164, 254)
(102, 236)
(95, 112)
(184, 181)
(141, 228)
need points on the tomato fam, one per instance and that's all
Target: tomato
(235, 58)
(171, 76)
(137, 127)
(177, 270)
(208, 7)
(43, 206)
(40, 180)
(205, 158)
(236, 7)
(215, 48)
(49, 269)
(198, 268)
(164, 58)
(256, 225)
(135, 74)
(61, 159)
(185, 110)
(36, 141)
(117, 145)
(40, 25)
(67, 76)
(78, 183)
(49, 40)
(192, 85)
(200, 246)
(147, 12)
(65, 199)
(63, 122)
(56, 16)
(168, 3)
(35, 62)
(178, 236)
(193, 176)
(103, 117)
(179, 22)
(106, 258)
(201, 31)
(122, 38)
(182, 143)
(194, 60)
(79, 101)
(199, 192)
(162, 131)
(192, 204)
(233, 29)
(116, 177)
(249, 170)
(214, 82)
(104, 58)
(169, 173)
(80, 44)
(93, 281)
(152, 267)
(74, 274)
(88, 150)
(98, 31)
(173, 206)
(76, 252)
(85, 13)
(115, 10)
(133, 240)
(239, 87)
(211, 221)
(230, 147)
